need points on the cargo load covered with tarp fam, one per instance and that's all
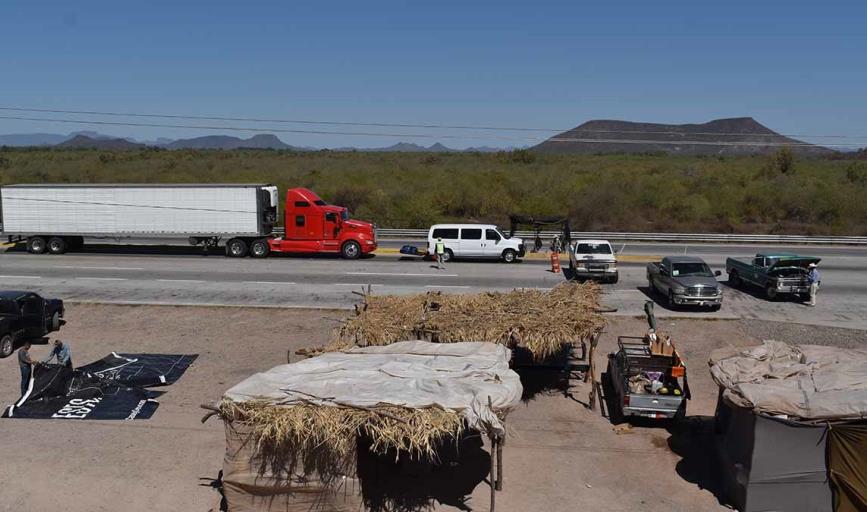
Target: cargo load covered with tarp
(791, 427)
(113, 388)
(293, 432)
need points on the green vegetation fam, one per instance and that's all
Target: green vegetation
(778, 194)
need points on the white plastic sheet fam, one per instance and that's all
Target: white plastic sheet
(418, 374)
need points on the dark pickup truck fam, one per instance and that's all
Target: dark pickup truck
(26, 315)
(775, 273)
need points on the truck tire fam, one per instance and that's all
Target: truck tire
(614, 279)
(55, 322)
(36, 245)
(670, 299)
(7, 345)
(771, 292)
(260, 248)
(509, 256)
(735, 280)
(350, 250)
(57, 245)
(236, 248)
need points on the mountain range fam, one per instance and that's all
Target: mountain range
(735, 136)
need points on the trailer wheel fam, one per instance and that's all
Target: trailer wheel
(236, 248)
(260, 248)
(7, 345)
(57, 245)
(36, 245)
(350, 250)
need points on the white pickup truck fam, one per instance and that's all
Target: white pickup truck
(593, 259)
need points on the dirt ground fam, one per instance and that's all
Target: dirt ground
(559, 456)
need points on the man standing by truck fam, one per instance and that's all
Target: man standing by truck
(440, 250)
(25, 363)
(815, 280)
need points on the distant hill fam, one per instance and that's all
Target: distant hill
(83, 141)
(260, 141)
(736, 136)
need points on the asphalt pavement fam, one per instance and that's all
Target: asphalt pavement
(155, 274)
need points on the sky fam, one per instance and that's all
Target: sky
(795, 66)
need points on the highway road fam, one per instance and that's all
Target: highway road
(181, 275)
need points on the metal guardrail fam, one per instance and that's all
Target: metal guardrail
(421, 234)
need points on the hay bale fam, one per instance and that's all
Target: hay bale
(309, 438)
(540, 321)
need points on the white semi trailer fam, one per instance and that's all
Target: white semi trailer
(57, 218)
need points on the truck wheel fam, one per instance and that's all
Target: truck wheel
(57, 245)
(614, 279)
(260, 248)
(36, 245)
(55, 321)
(236, 248)
(671, 299)
(7, 344)
(735, 280)
(771, 292)
(350, 250)
(716, 307)
(509, 256)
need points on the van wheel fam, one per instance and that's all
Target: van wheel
(7, 344)
(36, 245)
(448, 256)
(57, 245)
(509, 256)
(350, 250)
(236, 248)
(260, 248)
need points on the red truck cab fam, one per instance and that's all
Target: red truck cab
(313, 226)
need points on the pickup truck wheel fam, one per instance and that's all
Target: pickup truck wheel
(7, 344)
(671, 298)
(57, 245)
(614, 279)
(55, 321)
(260, 248)
(350, 250)
(771, 292)
(36, 245)
(236, 248)
(509, 256)
(735, 280)
(715, 307)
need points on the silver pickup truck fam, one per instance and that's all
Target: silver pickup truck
(685, 280)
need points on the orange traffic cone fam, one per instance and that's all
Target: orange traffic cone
(555, 262)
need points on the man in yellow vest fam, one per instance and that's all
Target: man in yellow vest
(440, 250)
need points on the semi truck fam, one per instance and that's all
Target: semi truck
(57, 218)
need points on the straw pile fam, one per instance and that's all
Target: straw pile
(540, 321)
(310, 437)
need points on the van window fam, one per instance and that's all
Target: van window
(491, 234)
(471, 234)
(301, 204)
(445, 233)
(299, 220)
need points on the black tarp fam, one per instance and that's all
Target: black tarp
(113, 388)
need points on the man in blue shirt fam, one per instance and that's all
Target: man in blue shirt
(815, 281)
(62, 353)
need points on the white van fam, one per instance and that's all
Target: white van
(474, 241)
